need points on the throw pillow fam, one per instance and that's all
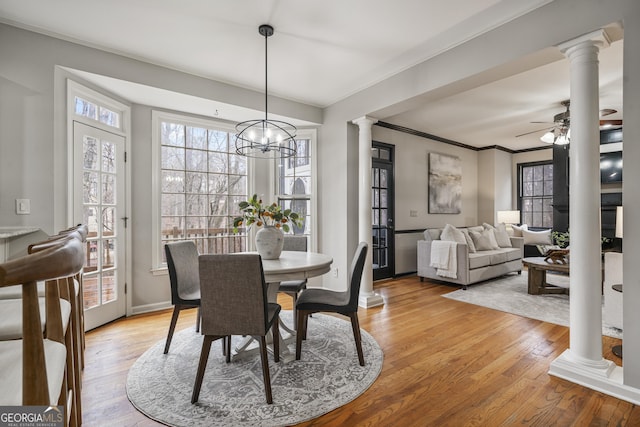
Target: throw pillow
(537, 237)
(452, 234)
(470, 244)
(484, 241)
(502, 236)
(517, 230)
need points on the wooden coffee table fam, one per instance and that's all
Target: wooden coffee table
(538, 268)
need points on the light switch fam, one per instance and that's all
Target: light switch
(23, 206)
(413, 213)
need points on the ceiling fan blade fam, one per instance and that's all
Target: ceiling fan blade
(534, 131)
(607, 111)
(543, 122)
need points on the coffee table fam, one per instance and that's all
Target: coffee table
(538, 268)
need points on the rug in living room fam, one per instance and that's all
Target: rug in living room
(509, 294)
(327, 377)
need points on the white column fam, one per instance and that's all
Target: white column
(583, 363)
(367, 298)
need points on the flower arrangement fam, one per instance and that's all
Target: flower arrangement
(254, 212)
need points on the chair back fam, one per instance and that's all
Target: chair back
(233, 295)
(182, 262)
(357, 267)
(295, 242)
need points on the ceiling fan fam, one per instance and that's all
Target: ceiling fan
(560, 132)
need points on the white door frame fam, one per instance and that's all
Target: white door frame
(124, 130)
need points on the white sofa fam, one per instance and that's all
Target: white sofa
(472, 267)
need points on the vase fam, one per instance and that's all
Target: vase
(269, 241)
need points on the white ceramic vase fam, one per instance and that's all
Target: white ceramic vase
(269, 242)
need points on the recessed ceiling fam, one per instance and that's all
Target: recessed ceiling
(321, 52)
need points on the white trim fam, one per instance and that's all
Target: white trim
(156, 172)
(74, 88)
(149, 308)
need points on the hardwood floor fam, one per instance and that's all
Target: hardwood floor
(446, 363)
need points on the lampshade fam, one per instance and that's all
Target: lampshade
(619, 221)
(508, 217)
(264, 138)
(548, 137)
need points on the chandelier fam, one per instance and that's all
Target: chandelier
(264, 138)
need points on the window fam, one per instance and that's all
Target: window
(535, 194)
(295, 184)
(201, 182)
(99, 113)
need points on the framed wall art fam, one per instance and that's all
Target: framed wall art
(445, 184)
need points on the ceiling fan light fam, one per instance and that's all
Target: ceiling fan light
(562, 140)
(548, 137)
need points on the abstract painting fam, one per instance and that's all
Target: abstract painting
(445, 184)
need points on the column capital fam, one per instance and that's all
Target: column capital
(598, 38)
(364, 121)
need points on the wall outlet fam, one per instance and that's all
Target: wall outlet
(23, 206)
(335, 272)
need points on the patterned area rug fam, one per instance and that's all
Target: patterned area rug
(327, 377)
(509, 294)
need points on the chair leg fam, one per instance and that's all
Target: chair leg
(275, 328)
(226, 342)
(202, 366)
(301, 330)
(172, 327)
(198, 318)
(265, 369)
(294, 295)
(355, 325)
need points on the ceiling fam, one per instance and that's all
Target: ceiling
(339, 49)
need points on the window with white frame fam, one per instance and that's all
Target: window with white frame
(201, 182)
(295, 183)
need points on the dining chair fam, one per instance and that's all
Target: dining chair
(182, 262)
(234, 302)
(315, 300)
(292, 288)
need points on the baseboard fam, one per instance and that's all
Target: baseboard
(148, 308)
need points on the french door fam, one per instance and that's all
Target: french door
(99, 202)
(382, 210)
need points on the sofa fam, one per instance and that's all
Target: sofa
(473, 264)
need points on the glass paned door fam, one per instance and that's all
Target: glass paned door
(382, 196)
(99, 203)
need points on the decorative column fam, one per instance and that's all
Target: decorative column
(583, 362)
(367, 298)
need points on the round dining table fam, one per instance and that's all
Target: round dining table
(292, 265)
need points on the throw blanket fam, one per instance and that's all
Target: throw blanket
(443, 258)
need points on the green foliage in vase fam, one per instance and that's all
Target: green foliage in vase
(254, 212)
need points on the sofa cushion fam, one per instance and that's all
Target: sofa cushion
(500, 233)
(517, 229)
(432, 234)
(470, 244)
(512, 253)
(484, 241)
(537, 237)
(479, 259)
(452, 234)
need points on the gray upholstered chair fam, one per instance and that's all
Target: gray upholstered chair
(182, 262)
(234, 302)
(324, 300)
(292, 288)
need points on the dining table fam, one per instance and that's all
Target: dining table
(291, 265)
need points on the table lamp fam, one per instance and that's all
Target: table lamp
(619, 221)
(508, 218)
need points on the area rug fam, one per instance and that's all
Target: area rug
(509, 294)
(327, 377)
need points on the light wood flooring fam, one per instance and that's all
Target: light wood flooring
(446, 363)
